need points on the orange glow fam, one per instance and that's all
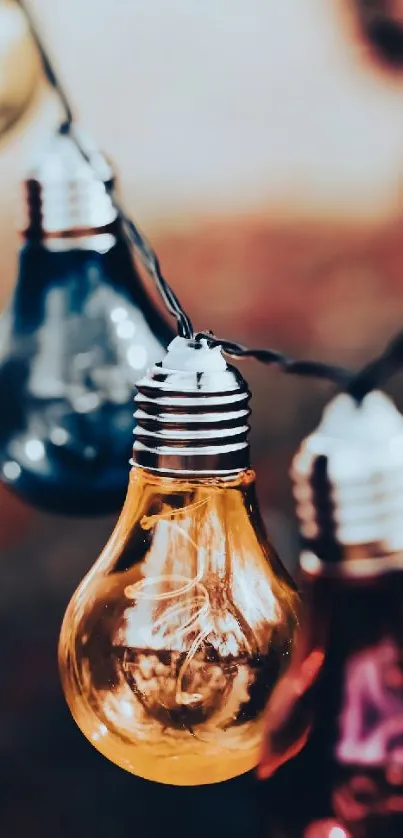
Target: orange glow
(285, 702)
(173, 642)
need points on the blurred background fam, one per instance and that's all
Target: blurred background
(260, 145)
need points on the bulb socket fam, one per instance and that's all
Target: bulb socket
(191, 422)
(66, 196)
(348, 486)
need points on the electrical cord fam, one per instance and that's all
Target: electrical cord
(309, 369)
(137, 239)
(376, 374)
(47, 64)
(357, 384)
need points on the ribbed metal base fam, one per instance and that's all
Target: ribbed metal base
(348, 481)
(191, 422)
(64, 195)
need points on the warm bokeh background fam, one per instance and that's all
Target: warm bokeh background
(260, 145)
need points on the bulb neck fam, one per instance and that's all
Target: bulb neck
(192, 422)
(94, 241)
(243, 480)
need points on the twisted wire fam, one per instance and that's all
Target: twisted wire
(309, 369)
(357, 384)
(135, 236)
(47, 64)
(376, 374)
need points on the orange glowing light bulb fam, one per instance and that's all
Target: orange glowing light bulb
(173, 642)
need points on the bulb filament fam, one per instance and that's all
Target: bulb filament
(200, 605)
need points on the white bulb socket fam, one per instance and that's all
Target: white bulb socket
(66, 195)
(192, 413)
(362, 495)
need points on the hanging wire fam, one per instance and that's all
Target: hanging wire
(135, 236)
(148, 256)
(151, 263)
(47, 65)
(309, 369)
(150, 260)
(357, 384)
(375, 374)
(372, 376)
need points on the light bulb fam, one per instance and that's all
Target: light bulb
(173, 642)
(19, 64)
(334, 727)
(80, 328)
(381, 22)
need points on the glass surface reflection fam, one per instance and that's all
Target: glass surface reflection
(79, 332)
(174, 640)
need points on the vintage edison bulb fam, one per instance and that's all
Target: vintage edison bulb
(334, 727)
(80, 325)
(173, 642)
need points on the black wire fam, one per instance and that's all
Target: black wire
(47, 65)
(375, 374)
(152, 265)
(148, 256)
(357, 385)
(137, 239)
(311, 369)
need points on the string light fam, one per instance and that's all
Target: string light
(159, 647)
(356, 383)
(382, 25)
(334, 722)
(172, 644)
(80, 327)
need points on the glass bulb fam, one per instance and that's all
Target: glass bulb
(382, 24)
(173, 642)
(79, 330)
(334, 728)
